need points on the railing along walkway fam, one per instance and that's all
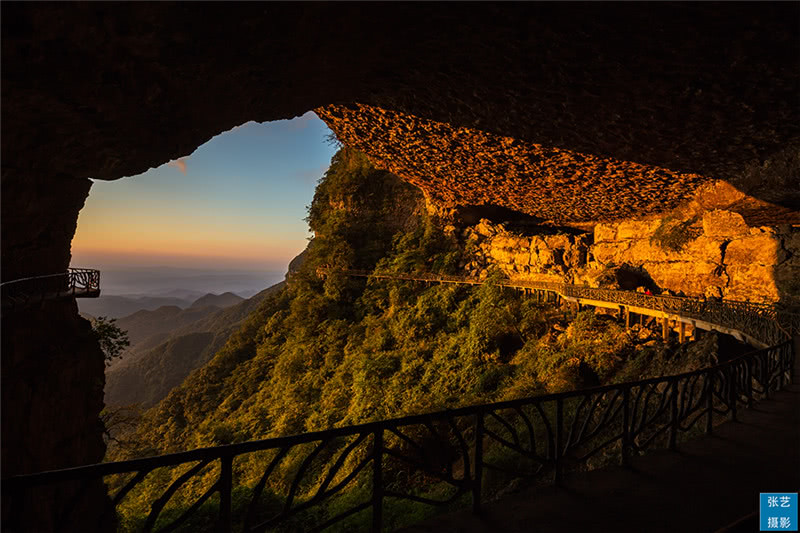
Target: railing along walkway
(442, 457)
(758, 324)
(75, 283)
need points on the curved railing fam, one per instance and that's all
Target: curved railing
(75, 283)
(767, 323)
(401, 459)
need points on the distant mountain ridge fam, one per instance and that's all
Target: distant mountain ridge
(223, 300)
(148, 328)
(169, 342)
(114, 306)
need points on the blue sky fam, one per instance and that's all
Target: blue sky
(239, 205)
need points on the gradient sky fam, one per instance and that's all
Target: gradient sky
(240, 203)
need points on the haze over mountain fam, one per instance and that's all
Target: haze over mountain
(185, 282)
(128, 290)
(219, 300)
(170, 342)
(112, 306)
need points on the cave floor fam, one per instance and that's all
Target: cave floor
(711, 484)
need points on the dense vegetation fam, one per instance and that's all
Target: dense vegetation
(332, 350)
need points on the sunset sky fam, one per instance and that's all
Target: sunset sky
(240, 203)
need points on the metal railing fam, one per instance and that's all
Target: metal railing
(75, 283)
(435, 458)
(764, 322)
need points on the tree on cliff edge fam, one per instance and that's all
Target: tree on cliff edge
(112, 339)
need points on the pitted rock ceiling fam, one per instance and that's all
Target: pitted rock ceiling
(457, 167)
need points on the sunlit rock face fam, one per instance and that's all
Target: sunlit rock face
(458, 167)
(713, 253)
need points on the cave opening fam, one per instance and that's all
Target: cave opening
(236, 204)
(184, 242)
(515, 221)
(134, 99)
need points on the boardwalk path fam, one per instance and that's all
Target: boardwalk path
(710, 485)
(759, 325)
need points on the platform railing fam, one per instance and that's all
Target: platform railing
(75, 283)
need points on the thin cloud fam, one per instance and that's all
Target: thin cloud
(179, 163)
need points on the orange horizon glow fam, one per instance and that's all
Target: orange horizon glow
(239, 200)
(148, 242)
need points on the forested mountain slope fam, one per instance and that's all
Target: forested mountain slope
(333, 350)
(177, 342)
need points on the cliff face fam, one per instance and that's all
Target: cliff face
(52, 383)
(713, 254)
(685, 233)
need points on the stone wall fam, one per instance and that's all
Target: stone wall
(714, 253)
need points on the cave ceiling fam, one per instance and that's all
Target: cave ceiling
(645, 102)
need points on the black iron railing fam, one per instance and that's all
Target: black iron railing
(767, 323)
(433, 459)
(75, 283)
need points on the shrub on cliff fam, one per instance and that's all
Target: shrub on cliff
(113, 340)
(673, 235)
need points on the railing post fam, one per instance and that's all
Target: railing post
(377, 481)
(709, 401)
(764, 360)
(476, 483)
(225, 489)
(732, 391)
(626, 424)
(674, 421)
(559, 441)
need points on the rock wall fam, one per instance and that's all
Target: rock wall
(50, 415)
(714, 254)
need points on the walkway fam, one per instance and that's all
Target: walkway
(759, 325)
(75, 283)
(710, 485)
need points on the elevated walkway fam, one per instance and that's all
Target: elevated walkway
(75, 283)
(758, 325)
(711, 484)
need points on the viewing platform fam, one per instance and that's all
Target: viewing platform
(74, 283)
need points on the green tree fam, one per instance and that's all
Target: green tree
(112, 339)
